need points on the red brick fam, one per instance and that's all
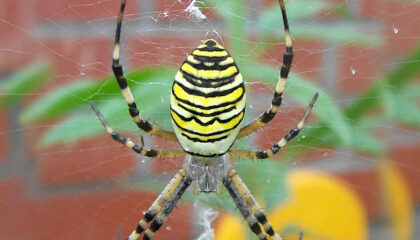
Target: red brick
(358, 68)
(19, 46)
(406, 158)
(370, 8)
(405, 17)
(16, 12)
(76, 58)
(366, 182)
(4, 137)
(10, 188)
(15, 50)
(318, 154)
(81, 10)
(15, 38)
(88, 215)
(90, 160)
(260, 88)
(72, 59)
(166, 165)
(174, 10)
(286, 118)
(160, 50)
(329, 14)
(269, 3)
(307, 60)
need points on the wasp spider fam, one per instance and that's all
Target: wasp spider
(207, 108)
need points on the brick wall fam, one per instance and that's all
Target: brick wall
(75, 192)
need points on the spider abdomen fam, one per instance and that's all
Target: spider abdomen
(207, 101)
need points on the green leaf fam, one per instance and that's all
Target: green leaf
(152, 95)
(59, 102)
(303, 90)
(24, 82)
(78, 94)
(335, 33)
(296, 10)
(272, 181)
(235, 17)
(402, 73)
(411, 91)
(86, 124)
(325, 108)
(265, 179)
(364, 142)
(335, 128)
(151, 90)
(399, 108)
(71, 130)
(319, 135)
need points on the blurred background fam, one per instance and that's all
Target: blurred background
(353, 173)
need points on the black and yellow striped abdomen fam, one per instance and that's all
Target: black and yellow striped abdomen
(207, 101)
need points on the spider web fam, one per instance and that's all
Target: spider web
(100, 189)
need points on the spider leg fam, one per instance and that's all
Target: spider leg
(167, 209)
(243, 208)
(252, 204)
(125, 89)
(162, 206)
(263, 154)
(135, 147)
(248, 206)
(284, 73)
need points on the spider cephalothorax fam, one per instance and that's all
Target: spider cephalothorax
(207, 174)
(207, 108)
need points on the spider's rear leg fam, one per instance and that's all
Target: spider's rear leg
(248, 206)
(243, 208)
(167, 209)
(162, 206)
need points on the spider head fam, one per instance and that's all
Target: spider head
(207, 173)
(210, 44)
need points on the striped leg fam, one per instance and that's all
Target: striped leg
(162, 206)
(125, 89)
(242, 194)
(284, 72)
(167, 209)
(263, 154)
(135, 147)
(243, 208)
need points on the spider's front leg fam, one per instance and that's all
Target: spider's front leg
(169, 153)
(263, 154)
(248, 206)
(126, 92)
(281, 83)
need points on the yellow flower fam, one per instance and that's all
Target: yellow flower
(320, 206)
